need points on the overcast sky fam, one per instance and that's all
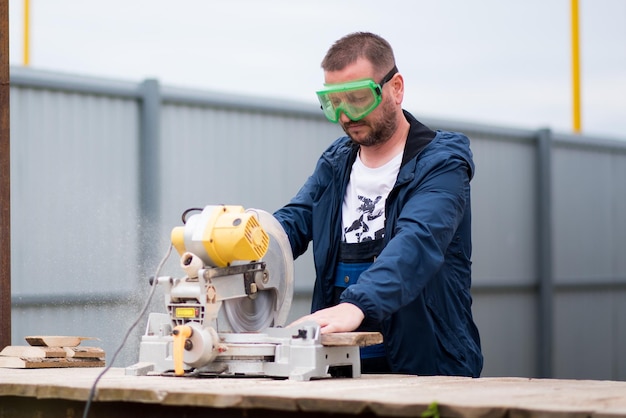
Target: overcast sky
(502, 62)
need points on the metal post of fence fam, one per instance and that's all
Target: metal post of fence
(149, 169)
(544, 254)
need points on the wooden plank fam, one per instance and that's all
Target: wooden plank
(84, 352)
(361, 339)
(30, 351)
(40, 363)
(370, 395)
(55, 340)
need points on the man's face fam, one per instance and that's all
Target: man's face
(377, 127)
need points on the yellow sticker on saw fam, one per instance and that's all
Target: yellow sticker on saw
(186, 312)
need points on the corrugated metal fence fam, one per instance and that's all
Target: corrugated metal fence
(101, 171)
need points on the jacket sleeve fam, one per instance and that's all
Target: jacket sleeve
(429, 212)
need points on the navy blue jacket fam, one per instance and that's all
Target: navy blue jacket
(418, 289)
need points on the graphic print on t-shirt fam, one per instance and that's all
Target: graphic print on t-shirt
(371, 219)
(363, 209)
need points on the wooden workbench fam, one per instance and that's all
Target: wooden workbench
(63, 393)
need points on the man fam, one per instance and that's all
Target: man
(388, 211)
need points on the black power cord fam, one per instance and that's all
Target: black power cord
(153, 283)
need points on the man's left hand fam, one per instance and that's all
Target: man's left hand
(344, 317)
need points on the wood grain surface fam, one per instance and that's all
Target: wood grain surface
(55, 340)
(380, 395)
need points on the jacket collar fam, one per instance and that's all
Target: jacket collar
(419, 136)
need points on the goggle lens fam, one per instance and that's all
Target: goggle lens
(356, 99)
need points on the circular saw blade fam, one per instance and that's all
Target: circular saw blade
(271, 306)
(250, 315)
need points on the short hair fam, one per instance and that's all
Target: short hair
(353, 46)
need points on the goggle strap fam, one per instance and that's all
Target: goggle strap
(388, 76)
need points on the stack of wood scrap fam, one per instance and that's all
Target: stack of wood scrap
(51, 351)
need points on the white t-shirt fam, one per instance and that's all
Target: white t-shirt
(363, 210)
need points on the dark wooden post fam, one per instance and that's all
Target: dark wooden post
(5, 181)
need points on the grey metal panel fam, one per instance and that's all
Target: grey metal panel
(215, 155)
(585, 216)
(586, 337)
(508, 327)
(503, 212)
(74, 188)
(595, 168)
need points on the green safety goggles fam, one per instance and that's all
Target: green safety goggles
(356, 99)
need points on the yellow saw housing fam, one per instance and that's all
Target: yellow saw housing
(221, 235)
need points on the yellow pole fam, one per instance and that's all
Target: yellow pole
(575, 67)
(26, 33)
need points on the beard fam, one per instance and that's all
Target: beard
(381, 128)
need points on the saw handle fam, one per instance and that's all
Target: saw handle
(180, 333)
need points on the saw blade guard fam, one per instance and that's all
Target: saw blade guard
(247, 315)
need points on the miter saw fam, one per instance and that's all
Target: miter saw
(225, 317)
